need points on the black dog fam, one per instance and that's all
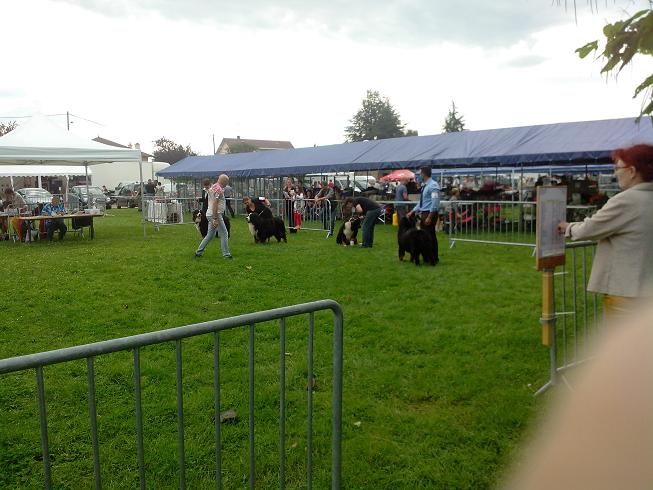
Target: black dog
(264, 228)
(414, 241)
(202, 224)
(348, 232)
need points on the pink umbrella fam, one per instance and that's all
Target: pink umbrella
(397, 175)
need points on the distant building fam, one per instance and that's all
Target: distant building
(115, 173)
(144, 156)
(258, 144)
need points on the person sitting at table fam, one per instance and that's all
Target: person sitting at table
(12, 204)
(13, 200)
(54, 208)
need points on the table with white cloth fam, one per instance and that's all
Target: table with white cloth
(164, 212)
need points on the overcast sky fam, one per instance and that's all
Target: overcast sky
(298, 69)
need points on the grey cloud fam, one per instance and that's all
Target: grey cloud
(489, 23)
(525, 61)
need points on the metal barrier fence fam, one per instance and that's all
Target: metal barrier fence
(577, 313)
(168, 210)
(306, 214)
(498, 222)
(136, 342)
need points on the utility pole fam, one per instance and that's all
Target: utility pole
(213, 137)
(68, 120)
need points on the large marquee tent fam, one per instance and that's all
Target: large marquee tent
(589, 142)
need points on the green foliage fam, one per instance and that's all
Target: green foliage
(435, 377)
(411, 132)
(623, 40)
(166, 150)
(241, 148)
(454, 122)
(7, 127)
(376, 119)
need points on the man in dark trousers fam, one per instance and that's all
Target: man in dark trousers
(428, 206)
(371, 210)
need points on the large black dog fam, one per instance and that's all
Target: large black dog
(414, 241)
(262, 228)
(348, 231)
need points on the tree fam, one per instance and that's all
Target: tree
(166, 150)
(411, 132)
(241, 148)
(454, 122)
(623, 40)
(7, 127)
(377, 119)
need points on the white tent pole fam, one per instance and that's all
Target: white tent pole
(39, 180)
(11, 179)
(140, 169)
(88, 196)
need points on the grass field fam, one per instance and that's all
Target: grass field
(438, 361)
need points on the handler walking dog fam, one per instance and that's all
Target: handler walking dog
(428, 206)
(214, 215)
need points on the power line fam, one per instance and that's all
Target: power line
(80, 117)
(14, 117)
(52, 115)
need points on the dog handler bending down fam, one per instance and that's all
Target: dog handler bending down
(372, 211)
(429, 204)
(214, 211)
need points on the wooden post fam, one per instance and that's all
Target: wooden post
(548, 319)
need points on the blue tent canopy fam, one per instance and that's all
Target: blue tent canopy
(548, 144)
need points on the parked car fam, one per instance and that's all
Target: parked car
(34, 196)
(98, 199)
(128, 195)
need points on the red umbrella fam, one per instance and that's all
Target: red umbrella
(397, 175)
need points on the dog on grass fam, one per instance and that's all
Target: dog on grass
(348, 232)
(411, 239)
(263, 228)
(202, 230)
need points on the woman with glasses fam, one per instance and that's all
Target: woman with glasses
(623, 266)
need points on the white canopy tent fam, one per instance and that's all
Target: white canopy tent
(39, 171)
(39, 141)
(42, 171)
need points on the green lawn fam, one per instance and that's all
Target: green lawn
(438, 361)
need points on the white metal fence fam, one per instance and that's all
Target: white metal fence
(498, 222)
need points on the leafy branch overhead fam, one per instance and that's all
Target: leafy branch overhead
(623, 40)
